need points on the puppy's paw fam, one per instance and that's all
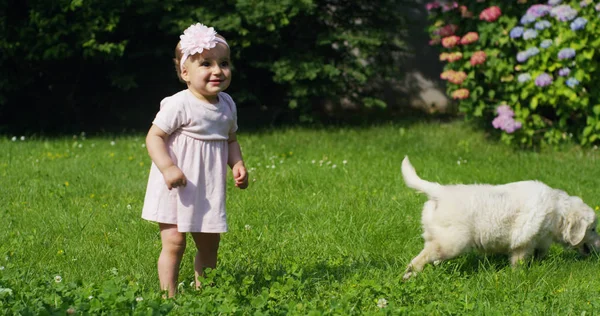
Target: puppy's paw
(408, 275)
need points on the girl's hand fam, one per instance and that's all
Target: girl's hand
(174, 177)
(240, 175)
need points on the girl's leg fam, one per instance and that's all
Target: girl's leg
(173, 246)
(206, 257)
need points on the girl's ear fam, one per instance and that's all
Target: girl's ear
(184, 74)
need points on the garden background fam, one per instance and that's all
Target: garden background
(331, 96)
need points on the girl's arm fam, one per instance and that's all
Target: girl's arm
(157, 149)
(235, 161)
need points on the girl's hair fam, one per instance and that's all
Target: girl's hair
(179, 55)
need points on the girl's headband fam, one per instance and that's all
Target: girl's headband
(197, 38)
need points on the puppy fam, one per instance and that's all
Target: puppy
(517, 218)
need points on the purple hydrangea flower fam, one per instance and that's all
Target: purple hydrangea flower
(578, 24)
(597, 7)
(554, 2)
(543, 80)
(526, 19)
(532, 51)
(546, 43)
(516, 32)
(524, 77)
(505, 110)
(563, 72)
(522, 56)
(542, 24)
(566, 53)
(505, 120)
(538, 10)
(563, 13)
(529, 34)
(583, 4)
(572, 82)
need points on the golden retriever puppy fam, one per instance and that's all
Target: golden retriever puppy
(517, 218)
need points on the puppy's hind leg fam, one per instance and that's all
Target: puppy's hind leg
(429, 254)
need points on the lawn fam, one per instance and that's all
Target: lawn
(327, 226)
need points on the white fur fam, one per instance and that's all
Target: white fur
(516, 218)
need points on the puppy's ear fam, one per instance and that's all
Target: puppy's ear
(575, 228)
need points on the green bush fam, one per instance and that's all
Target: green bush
(513, 76)
(110, 61)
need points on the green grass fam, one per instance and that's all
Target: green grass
(327, 226)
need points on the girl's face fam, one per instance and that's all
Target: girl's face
(209, 73)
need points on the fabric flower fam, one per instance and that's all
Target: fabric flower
(538, 10)
(542, 24)
(196, 38)
(469, 38)
(572, 82)
(524, 77)
(490, 14)
(563, 72)
(450, 41)
(578, 24)
(563, 13)
(546, 43)
(460, 94)
(478, 58)
(543, 80)
(566, 53)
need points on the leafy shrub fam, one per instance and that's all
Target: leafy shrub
(110, 61)
(526, 68)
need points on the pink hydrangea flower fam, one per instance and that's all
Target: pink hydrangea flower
(447, 30)
(450, 41)
(490, 14)
(469, 38)
(478, 58)
(460, 94)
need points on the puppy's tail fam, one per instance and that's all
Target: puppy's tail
(412, 180)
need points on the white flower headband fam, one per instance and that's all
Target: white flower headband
(197, 38)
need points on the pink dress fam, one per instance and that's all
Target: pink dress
(198, 146)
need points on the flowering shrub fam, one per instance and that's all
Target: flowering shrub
(527, 69)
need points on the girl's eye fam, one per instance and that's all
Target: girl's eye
(225, 64)
(205, 64)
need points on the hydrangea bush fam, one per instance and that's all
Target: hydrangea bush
(526, 69)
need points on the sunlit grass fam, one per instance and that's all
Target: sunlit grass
(326, 212)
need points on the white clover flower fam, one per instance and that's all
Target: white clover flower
(280, 161)
(458, 162)
(1, 268)
(128, 206)
(143, 145)
(382, 303)
(273, 167)
(22, 138)
(139, 299)
(93, 145)
(90, 297)
(181, 285)
(345, 161)
(248, 227)
(112, 143)
(192, 284)
(14, 138)
(313, 161)
(58, 279)
(329, 162)
(334, 166)
(80, 145)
